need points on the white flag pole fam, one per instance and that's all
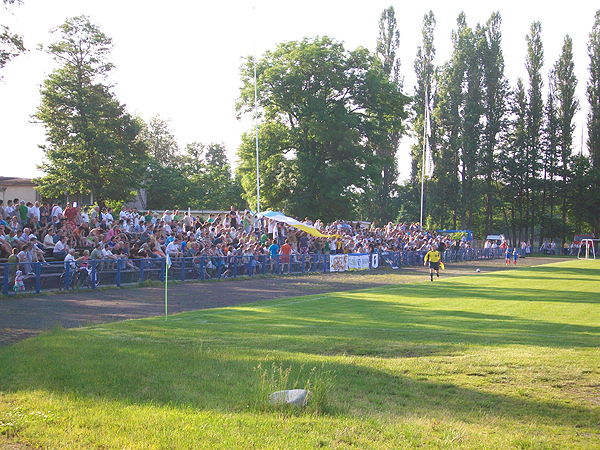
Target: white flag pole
(256, 122)
(425, 130)
(167, 267)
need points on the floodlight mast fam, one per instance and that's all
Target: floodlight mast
(256, 123)
(426, 132)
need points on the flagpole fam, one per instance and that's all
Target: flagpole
(424, 147)
(166, 287)
(256, 122)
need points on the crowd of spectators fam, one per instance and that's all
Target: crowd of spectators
(34, 232)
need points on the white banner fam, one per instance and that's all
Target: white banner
(358, 262)
(374, 260)
(338, 263)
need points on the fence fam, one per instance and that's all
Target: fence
(97, 273)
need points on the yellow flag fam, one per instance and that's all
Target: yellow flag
(442, 265)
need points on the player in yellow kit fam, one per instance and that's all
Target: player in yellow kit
(433, 257)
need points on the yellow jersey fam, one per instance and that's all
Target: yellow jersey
(433, 256)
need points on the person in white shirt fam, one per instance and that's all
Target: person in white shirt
(85, 218)
(9, 208)
(57, 210)
(109, 217)
(108, 255)
(70, 260)
(167, 229)
(60, 248)
(34, 211)
(49, 239)
(124, 214)
(174, 249)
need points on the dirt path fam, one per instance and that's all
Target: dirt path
(24, 317)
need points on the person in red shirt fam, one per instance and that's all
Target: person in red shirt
(285, 252)
(70, 213)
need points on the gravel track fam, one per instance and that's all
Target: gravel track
(27, 316)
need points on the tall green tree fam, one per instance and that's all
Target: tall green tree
(93, 144)
(335, 107)
(426, 73)
(534, 63)
(212, 185)
(459, 110)
(276, 166)
(162, 145)
(495, 93)
(11, 44)
(471, 45)
(513, 159)
(567, 106)
(550, 159)
(593, 119)
(166, 181)
(378, 198)
(424, 94)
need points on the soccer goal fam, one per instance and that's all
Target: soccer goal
(587, 249)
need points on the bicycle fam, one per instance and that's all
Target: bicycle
(78, 278)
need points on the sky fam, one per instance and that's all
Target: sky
(181, 59)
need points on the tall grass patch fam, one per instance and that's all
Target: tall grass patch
(502, 360)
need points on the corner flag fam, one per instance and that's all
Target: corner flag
(168, 265)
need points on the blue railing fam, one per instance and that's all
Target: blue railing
(97, 273)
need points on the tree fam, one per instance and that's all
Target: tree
(335, 107)
(513, 162)
(459, 110)
(276, 171)
(377, 198)
(93, 144)
(161, 143)
(534, 62)
(550, 157)
(211, 183)
(11, 45)
(495, 93)
(426, 74)
(567, 106)
(593, 119)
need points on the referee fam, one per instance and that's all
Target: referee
(433, 256)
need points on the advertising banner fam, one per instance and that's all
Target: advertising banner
(374, 260)
(358, 262)
(338, 263)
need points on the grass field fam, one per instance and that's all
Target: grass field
(497, 360)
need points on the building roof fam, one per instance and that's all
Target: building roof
(15, 181)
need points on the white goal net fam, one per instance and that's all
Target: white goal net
(587, 249)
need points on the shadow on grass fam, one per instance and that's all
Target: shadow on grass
(354, 325)
(177, 370)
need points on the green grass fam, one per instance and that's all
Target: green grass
(502, 360)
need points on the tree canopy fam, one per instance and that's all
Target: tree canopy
(93, 143)
(325, 110)
(11, 44)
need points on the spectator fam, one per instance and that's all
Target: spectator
(60, 249)
(57, 211)
(13, 261)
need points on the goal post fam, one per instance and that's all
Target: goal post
(587, 249)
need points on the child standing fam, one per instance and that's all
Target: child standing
(19, 284)
(508, 256)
